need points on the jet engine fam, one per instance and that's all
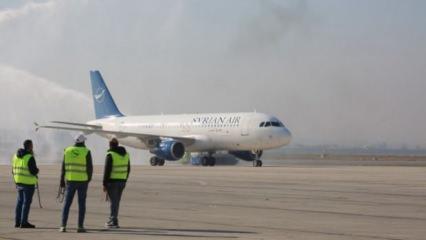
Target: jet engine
(169, 150)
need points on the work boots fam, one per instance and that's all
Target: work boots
(112, 224)
(27, 225)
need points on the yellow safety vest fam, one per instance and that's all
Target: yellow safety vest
(75, 164)
(21, 172)
(120, 166)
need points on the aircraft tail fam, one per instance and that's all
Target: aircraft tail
(104, 103)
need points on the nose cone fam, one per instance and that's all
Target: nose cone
(285, 136)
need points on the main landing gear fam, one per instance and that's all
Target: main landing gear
(208, 161)
(156, 161)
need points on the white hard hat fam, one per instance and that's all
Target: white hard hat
(80, 138)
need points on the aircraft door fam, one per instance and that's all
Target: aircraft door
(245, 127)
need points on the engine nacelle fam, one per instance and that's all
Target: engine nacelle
(169, 150)
(247, 155)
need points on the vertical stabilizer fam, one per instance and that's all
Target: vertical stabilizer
(104, 103)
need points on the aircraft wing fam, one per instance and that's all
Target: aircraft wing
(148, 139)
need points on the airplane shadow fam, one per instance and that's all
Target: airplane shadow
(164, 232)
(173, 232)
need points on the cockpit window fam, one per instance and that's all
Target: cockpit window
(275, 124)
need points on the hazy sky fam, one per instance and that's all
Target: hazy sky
(336, 72)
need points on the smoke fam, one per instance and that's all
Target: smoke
(31, 98)
(269, 27)
(26, 99)
(29, 8)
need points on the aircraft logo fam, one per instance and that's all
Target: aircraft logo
(100, 95)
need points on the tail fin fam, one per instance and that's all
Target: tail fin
(104, 103)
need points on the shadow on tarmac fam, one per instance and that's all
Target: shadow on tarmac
(165, 232)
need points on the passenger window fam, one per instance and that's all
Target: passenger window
(262, 124)
(267, 124)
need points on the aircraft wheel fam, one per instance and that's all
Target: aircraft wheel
(161, 162)
(212, 161)
(153, 161)
(205, 161)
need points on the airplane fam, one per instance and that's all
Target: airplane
(168, 137)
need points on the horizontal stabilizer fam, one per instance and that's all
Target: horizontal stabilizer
(78, 124)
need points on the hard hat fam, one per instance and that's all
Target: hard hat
(80, 138)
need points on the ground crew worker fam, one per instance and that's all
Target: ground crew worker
(116, 173)
(24, 170)
(77, 169)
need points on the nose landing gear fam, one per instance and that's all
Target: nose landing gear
(257, 162)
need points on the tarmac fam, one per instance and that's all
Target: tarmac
(307, 201)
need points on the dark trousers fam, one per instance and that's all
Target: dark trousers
(115, 190)
(23, 204)
(71, 188)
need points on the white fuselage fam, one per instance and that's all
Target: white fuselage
(211, 131)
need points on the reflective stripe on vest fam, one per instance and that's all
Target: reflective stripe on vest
(75, 164)
(21, 172)
(120, 166)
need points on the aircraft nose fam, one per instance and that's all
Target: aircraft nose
(286, 136)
